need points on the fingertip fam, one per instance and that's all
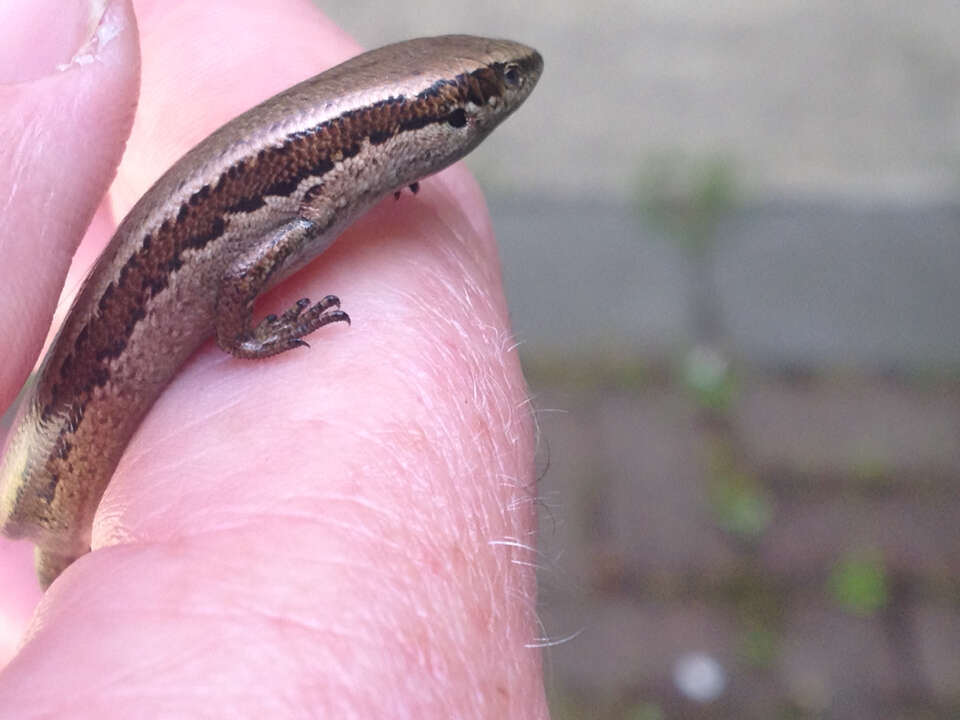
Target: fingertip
(19, 597)
(46, 36)
(63, 123)
(191, 88)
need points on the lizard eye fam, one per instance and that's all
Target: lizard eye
(512, 75)
(458, 118)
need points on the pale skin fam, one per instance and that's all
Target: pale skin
(340, 531)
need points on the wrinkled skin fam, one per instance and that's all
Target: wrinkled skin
(340, 531)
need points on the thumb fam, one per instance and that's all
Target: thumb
(69, 77)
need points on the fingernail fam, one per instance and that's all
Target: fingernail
(45, 36)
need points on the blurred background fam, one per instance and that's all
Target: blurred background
(730, 234)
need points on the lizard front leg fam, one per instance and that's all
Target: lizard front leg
(250, 275)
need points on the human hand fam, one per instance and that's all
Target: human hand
(340, 531)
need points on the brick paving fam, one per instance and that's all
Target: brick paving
(857, 471)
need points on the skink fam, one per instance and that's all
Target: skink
(251, 204)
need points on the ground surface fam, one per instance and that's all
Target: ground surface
(804, 538)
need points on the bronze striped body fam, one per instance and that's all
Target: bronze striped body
(245, 208)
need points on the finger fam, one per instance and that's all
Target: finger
(234, 56)
(355, 514)
(66, 104)
(65, 112)
(19, 594)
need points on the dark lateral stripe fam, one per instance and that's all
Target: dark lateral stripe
(174, 264)
(282, 188)
(247, 205)
(417, 123)
(200, 195)
(286, 186)
(104, 301)
(197, 241)
(62, 448)
(378, 137)
(241, 188)
(113, 351)
(49, 491)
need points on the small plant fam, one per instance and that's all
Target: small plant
(759, 646)
(688, 196)
(645, 711)
(739, 502)
(707, 374)
(858, 582)
(740, 505)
